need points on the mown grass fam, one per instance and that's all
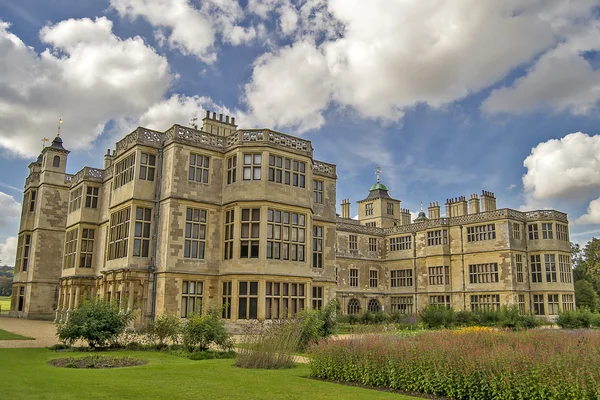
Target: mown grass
(6, 335)
(4, 304)
(27, 375)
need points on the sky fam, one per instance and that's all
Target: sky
(449, 98)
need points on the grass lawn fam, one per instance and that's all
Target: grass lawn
(4, 304)
(5, 335)
(26, 375)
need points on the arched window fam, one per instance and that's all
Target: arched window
(373, 306)
(353, 306)
(56, 161)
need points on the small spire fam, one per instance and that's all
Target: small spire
(421, 205)
(378, 173)
(193, 123)
(44, 140)
(60, 121)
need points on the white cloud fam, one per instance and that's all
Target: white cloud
(189, 29)
(10, 209)
(8, 251)
(87, 77)
(593, 214)
(391, 56)
(563, 168)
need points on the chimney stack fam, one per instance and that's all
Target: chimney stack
(434, 210)
(474, 204)
(345, 208)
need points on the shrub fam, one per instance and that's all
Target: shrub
(579, 318)
(98, 322)
(269, 344)
(472, 363)
(211, 355)
(200, 331)
(164, 327)
(434, 317)
(328, 315)
(312, 326)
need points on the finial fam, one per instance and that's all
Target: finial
(193, 122)
(378, 173)
(421, 205)
(60, 121)
(44, 140)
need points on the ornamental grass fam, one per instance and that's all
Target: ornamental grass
(473, 364)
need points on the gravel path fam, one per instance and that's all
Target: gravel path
(44, 332)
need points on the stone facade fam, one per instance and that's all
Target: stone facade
(242, 219)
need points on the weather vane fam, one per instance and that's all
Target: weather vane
(193, 122)
(44, 140)
(60, 121)
(378, 173)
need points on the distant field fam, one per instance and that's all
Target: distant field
(4, 304)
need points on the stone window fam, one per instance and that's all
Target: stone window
(23, 246)
(538, 304)
(485, 302)
(401, 278)
(32, 201)
(75, 199)
(440, 301)
(199, 167)
(354, 277)
(229, 227)
(547, 233)
(533, 231)
(276, 169)
(516, 231)
(402, 304)
(195, 233)
(283, 299)
(231, 169)
(286, 235)
(439, 275)
(483, 273)
(567, 302)
(373, 306)
(191, 298)
(317, 297)
(437, 237)
(291, 172)
(91, 197)
(248, 300)
(86, 252)
(369, 209)
(535, 264)
(123, 171)
(564, 266)
(353, 242)
(147, 166)
(400, 243)
(553, 308)
(119, 234)
(70, 248)
(250, 233)
(550, 264)
(521, 301)
(252, 166)
(317, 246)
(56, 162)
(21, 305)
(318, 192)
(141, 241)
(390, 208)
(371, 224)
(353, 307)
(481, 232)
(372, 244)
(562, 232)
(298, 173)
(373, 278)
(226, 300)
(519, 268)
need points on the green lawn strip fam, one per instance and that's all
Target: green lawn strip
(26, 375)
(4, 304)
(5, 335)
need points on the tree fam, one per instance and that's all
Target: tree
(585, 295)
(586, 263)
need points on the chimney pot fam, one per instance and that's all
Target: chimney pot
(207, 113)
(220, 117)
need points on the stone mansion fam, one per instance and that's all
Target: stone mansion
(180, 220)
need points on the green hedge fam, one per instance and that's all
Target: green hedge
(481, 364)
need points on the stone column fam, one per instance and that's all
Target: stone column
(77, 295)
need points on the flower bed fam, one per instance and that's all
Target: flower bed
(475, 364)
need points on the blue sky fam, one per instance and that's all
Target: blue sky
(448, 97)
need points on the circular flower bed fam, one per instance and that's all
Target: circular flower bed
(96, 361)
